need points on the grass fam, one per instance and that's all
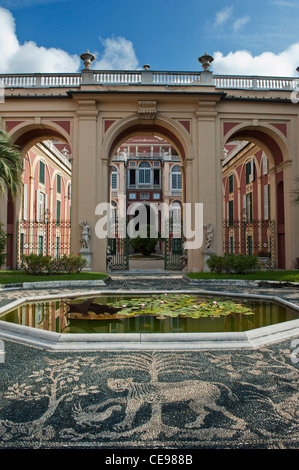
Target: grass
(279, 275)
(9, 277)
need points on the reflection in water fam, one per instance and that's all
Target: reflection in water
(51, 316)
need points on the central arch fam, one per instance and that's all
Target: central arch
(173, 133)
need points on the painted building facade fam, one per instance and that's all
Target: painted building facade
(198, 113)
(251, 205)
(43, 212)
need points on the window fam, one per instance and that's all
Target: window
(40, 245)
(25, 200)
(57, 247)
(41, 176)
(265, 164)
(58, 184)
(231, 184)
(249, 207)
(114, 178)
(144, 173)
(132, 195)
(40, 206)
(69, 191)
(144, 195)
(156, 195)
(157, 177)
(231, 244)
(266, 202)
(132, 177)
(250, 171)
(58, 209)
(231, 212)
(176, 178)
(249, 245)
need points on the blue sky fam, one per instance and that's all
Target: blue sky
(248, 37)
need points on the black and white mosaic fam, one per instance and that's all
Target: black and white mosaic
(208, 399)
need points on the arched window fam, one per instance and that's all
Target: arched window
(114, 178)
(144, 173)
(176, 178)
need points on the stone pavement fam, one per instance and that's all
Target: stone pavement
(151, 399)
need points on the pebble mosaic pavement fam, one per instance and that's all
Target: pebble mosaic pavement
(240, 399)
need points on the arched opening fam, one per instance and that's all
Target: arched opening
(146, 174)
(253, 195)
(38, 222)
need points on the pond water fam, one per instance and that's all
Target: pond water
(167, 313)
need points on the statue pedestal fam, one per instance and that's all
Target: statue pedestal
(87, 254)
(207, 253)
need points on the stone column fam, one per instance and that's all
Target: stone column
(291, 239)
(84, 175)
(208, 178)
(273, 203)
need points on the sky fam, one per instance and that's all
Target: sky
(256, 37)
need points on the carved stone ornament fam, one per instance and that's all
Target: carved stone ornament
(147, 109)
(87, 58)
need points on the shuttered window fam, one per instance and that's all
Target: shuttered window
(41, 172)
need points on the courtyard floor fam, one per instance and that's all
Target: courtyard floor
(212, 399)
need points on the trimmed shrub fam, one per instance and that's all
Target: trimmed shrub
(73, 263)
(35, 264)
(233, 264)
(39, 264)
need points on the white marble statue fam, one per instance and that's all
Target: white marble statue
(85, 235)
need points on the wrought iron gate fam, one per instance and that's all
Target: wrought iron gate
(118, 248)
(254, 238)
(175, 257)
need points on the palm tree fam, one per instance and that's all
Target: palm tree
(10, 166)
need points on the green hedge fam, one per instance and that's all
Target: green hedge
(230, 263)
(39, 264)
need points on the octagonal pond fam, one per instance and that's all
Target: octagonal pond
(155, 313)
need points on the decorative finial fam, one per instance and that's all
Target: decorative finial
(205, 61)
(146, 67)
(87, 58)
(297, 69)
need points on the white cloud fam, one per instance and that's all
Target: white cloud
(29, 58)
(222, 16)
(242, 62)
(118, 54)
(17, 4)
(238, 23)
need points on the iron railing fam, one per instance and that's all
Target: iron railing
(254, 238)
(46, 238)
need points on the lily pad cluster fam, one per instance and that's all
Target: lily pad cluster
(181, 306)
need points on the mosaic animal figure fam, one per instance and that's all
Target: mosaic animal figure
(202, 397)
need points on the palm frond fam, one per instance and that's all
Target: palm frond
(11, 167)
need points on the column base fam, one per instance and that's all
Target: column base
(206, 255)
(87, 254)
